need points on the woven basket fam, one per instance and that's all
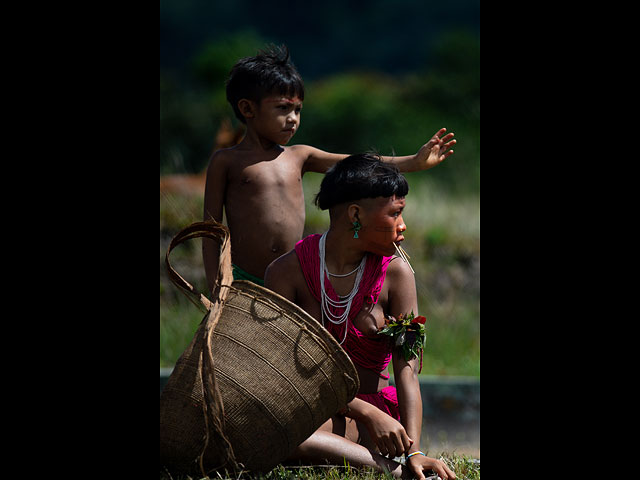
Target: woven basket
(258, 378)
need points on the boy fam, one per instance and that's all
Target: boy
(259, 181)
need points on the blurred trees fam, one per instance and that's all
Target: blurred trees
(347, 112)
(380, 76)
(193, 105)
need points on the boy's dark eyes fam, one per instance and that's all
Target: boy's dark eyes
(286, 108)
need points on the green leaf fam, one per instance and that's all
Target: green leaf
(386, 330)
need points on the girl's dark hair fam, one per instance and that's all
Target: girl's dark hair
(269, 72)
(363, 175)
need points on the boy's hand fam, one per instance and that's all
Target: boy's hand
(435, 150)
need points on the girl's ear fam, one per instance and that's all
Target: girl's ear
(353, 212)
(246, 107)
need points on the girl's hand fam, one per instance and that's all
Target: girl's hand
(418, 463)
(388, 434)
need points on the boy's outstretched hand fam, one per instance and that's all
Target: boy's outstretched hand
(435, 150)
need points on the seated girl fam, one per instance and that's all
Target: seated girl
(350, 281)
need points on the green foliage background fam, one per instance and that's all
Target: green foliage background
(385, 78)
(379, 76)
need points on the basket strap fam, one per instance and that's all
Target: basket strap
(212, 406)
(214, 231)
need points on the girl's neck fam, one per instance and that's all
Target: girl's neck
(342, 254)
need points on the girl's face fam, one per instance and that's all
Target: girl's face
(382, 224)
(277, 118)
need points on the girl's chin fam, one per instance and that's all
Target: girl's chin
(383, 250)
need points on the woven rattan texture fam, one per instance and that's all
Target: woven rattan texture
(277, 375)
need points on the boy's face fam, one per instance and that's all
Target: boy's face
(278, 118)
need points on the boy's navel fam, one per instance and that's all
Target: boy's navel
(278, 248)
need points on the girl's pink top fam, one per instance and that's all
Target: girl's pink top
(367, 352)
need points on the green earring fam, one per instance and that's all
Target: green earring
(356, 228)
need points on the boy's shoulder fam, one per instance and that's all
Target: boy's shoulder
(301, 149)
(237, 158)
(223, 158)
(224, 154)
(237, 153)
(241, 151)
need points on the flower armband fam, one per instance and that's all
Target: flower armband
(408, 332)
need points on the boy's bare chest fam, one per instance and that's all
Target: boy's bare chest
(265, 174)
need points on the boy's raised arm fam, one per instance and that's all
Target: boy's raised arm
(214, 193)
(317, 160)
(430, 154)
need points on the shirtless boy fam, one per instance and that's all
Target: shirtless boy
(259, 181)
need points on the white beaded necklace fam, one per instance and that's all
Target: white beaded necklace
(343, 275)
(326, 302)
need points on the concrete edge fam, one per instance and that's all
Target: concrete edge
(454, 397)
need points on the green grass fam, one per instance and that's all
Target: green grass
(442, 238)
(465, 468)
(178, 323)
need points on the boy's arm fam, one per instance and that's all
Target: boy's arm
(316, 160)
(214, 194)
(430, 154)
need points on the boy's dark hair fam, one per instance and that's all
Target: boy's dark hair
(363, 175)
(269, 72)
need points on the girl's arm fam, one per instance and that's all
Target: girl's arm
(409, 398)
(403, 300)
(386, 432)
(281, 275)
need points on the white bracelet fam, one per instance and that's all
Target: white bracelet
(415, 453)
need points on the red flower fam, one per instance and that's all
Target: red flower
(419, 319)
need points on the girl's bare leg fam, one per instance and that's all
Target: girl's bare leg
(328, 444)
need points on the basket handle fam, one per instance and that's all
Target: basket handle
(213, 409)
(214, 231)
